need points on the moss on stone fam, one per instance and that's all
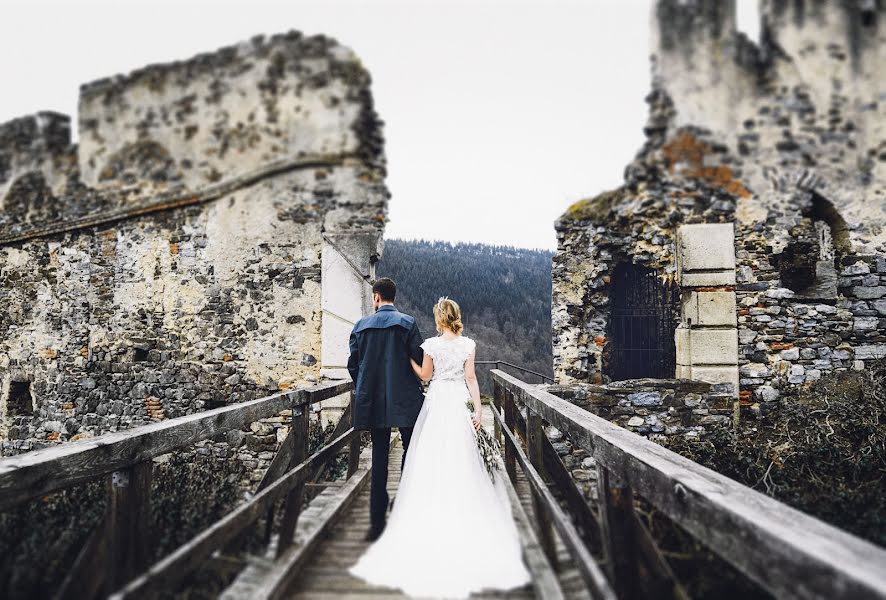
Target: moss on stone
(594, 209)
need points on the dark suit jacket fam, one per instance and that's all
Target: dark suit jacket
(387, 392)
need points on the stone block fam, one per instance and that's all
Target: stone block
(709, 308)
(706, 247)
(717, 374)
(707, 278)
(870, 351)
(706, 346)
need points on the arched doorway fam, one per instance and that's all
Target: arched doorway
(644, 312)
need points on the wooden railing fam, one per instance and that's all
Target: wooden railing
(117, 551)
(785, 551)
(498, 364)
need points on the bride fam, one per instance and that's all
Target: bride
(450, 532)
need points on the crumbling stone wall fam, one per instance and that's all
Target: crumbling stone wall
(172, 260)
(784, 139)
(660, 409)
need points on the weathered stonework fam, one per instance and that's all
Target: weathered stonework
(784, 140)
(177, 258)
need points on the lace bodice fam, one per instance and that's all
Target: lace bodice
(449, 356)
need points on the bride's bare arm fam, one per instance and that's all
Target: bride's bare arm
(416, 369)
(474, 389)
(426, 369)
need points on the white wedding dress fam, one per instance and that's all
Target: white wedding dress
(451, 531)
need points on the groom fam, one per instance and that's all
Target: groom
(387, 391)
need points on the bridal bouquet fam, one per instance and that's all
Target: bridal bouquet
(488, 446)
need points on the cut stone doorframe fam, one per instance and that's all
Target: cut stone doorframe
(347, 269)
(707, 337)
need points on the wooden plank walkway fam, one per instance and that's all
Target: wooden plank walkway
(324, 574)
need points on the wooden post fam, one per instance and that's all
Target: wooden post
(354, 447)
(496, 402)
(535, 439)
(128, 532)
(510, 457)
(293, 502)
(617, 522)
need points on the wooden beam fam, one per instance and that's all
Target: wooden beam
(129, 530)
(508, 425)
(657, 580)
(544, 578)
(617, 522)
(497, 396)
(170, 570)
(534, 435)
(295, 497)
(40, 472)
(87, 574)
(784, 550)
(591, 573)
(278, 581)
(576, 503)
(354, 449)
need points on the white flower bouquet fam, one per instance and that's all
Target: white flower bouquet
(488, 446)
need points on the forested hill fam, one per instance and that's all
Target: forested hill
(504, 294)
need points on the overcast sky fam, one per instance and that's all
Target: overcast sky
(498, 113)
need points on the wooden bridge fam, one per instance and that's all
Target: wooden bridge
(573, 549)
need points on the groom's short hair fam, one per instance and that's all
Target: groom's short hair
(385, 288)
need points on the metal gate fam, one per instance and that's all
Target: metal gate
(645, 311)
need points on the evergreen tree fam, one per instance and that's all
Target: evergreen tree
(504, 293)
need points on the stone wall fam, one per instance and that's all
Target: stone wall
(175, 259)
(655, 408)
(785, 140)
(209, 240)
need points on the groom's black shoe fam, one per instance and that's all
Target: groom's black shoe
(374, 533)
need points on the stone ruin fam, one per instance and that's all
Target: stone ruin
(746, 248)
(208, 241)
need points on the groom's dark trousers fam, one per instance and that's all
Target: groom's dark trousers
(381, 449)
(387, 392)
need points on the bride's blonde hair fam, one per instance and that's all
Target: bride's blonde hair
(448, 314)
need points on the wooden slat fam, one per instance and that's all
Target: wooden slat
(619, 538)
(508, 425)
(170, 570)
(87, 574)
(656, 579)
(575, 501)
(43, 471)
(534, 435)
(295, 497)
(354, 450)
(784, 550)
(279, 580)
(129, 530)
(325, 391)
(591, 573)
(544, 578)
(497, 399)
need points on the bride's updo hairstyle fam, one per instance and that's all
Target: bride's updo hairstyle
(448, 314)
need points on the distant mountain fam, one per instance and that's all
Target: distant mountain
(504, 294)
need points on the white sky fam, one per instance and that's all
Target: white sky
(498, 114)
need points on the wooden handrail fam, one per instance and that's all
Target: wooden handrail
(171, 569)
(51, 469)
(787, 552)
(513, 366)
(587, 566)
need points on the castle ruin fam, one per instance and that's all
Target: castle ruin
(746, 247)
(208, 240)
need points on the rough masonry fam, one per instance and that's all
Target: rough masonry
(746, 245)
(207, 241)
